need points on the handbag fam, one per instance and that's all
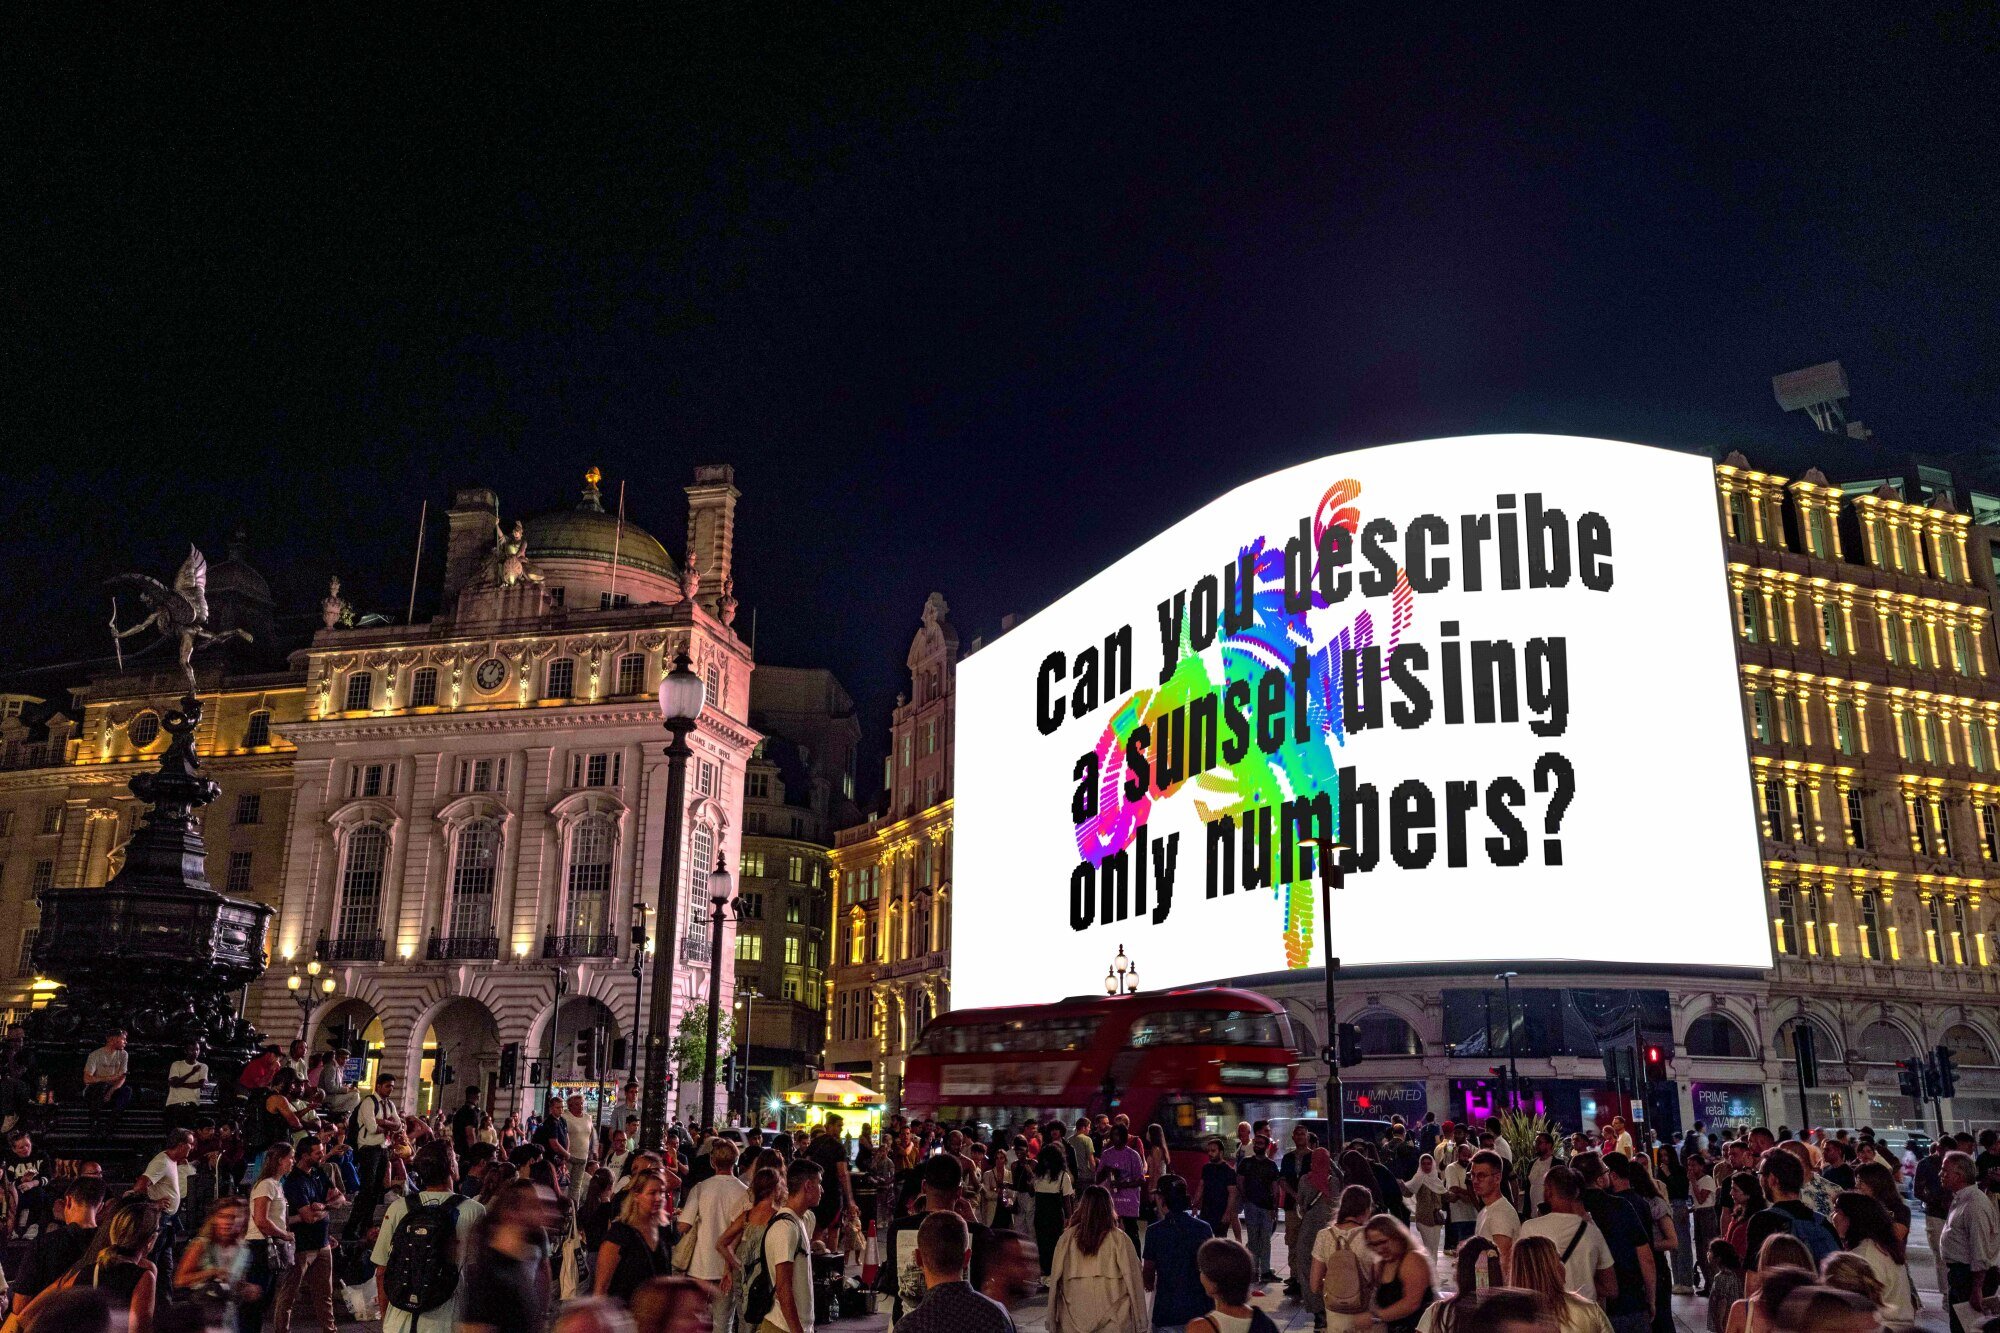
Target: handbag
(684, 1251)
(570, 1278)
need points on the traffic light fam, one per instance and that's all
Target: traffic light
(1349, 1044)
(510, 1063)
(1656, 1064)
(1909, 1080)
(1947, 1072)
(586, 1053)
(534, 1073)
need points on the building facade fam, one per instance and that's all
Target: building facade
(891, 892)
(798, 789)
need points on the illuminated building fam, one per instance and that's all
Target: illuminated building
(891, 894)
(799, 787)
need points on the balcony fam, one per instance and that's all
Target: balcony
(351, 949)
(694, 948)
(462, 948)
(579, 946)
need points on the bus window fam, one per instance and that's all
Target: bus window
(1211, 1028)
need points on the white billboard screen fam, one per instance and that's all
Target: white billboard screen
(1498, 670)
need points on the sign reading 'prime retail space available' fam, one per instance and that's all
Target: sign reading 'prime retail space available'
(1497, 672)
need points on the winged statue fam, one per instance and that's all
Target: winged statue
(177, 613)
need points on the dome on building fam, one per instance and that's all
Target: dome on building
(235, 577)
(586, 532)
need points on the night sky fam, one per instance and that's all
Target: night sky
(974, 302)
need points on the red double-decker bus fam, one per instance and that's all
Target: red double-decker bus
(1195, 1061)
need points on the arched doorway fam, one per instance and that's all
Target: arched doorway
(352, 1026)
(461, 1049)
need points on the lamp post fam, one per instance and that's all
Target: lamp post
(681, 697)
(309, 992)
(638, 986)
(750, 997)
(1122, 977)
(1506, 980)
(718, 897)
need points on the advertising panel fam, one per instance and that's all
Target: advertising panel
(1497, 671)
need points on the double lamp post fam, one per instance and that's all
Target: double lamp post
(681, 698)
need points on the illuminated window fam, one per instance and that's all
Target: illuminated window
(360, 691)
(561, 679)
(424, 687)
(472, 876)
(1786, 924)
(795, 869)
(1846, 728)
(258, 733)
(367, 852)
(1764, 716)
(794, 912)
(1989, 832)
(1871, 925)
(749, 947)
(856, 941)
(589, 878)
(751, 864)
(1831, 637)
(792, 949)
(632, 673)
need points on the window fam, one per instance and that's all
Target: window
(1989, 832)
(789, 989)
(6, 823)
(1751, 607)
(589, 877)
(424, 687)
(561, 680)
(753, 906)
(1846, 728)
(238, 882)
(1934, 750)
(795, 869)
(43, 878)
(701, 860)
(1715, 1037)
(371, 780)
(1794, 728)
(1921, 834)
(52, 819)
(817, 870)
(632, 673)
(258, 733)
(704, 778)
(1818, 535)
(855, 941)
(1899, 651)
(751, 864)
(1947, 557)
(1961, 650)
(472, 875)
(597, 770)
(758, 786)
(1786, 923)
(1774, 808)
(711, 684)
(1831, 638)
(794, 912)
(360, 691)
(1871, 925)
(558, 596)
(1810, 902)
(361, 884)
(613, 601)
(1908, 557)
(1801, 812)
(143, 730)
(26, 965)
(1913, 747)
(792, 949)
(1739, 516)
(1764, 716)
(249, 807)
(482, 775)
(749, 947)
(812, 953)
(1857, 830)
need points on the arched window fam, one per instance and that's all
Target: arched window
(920, 1009)
(1967, 1046)
(1384, 1033)
(475, 857)
(1871, 925)
(360, 916)
(1884, 1044)
(561, 679)
(258, 733)
(857, 936)
(1716, 1036)
(360, 691)
(424, 687)
(588, 901)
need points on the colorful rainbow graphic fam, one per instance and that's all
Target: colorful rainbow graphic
(1258, 780)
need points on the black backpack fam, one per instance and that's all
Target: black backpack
(758, 1295)
(422, 1272)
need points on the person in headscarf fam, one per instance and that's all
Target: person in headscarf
(1429, 1198)
(1318, 1194)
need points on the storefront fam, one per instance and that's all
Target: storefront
(1727, 1105)
(1382, 1099)
(832, 1093)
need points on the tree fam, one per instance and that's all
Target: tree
(690, 1046)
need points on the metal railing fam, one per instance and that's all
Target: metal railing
(579, 946)
(694, 948)
(455, 948)
(352, 949)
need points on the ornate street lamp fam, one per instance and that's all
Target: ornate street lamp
(681, 697)
(309, 992)
(1122, 977)
(719, 885)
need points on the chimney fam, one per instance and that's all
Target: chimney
(712, 538)
(1819, 391)
(474, 511)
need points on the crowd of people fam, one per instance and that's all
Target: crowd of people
(311, 1195)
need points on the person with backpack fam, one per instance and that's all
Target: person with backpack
(1226, 1274)
(368, 1130)
(1783, 1178)
(425, 1243)
(777, 1292)
(1340, 1287)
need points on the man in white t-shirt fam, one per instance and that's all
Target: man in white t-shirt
(1538, 1170)
(1587, 1264)
(1498, 1219)
(788, 1251)
(185, 1078)
(436, 1172)
(1463, 1209)
(162, 1179)
(581, 1135)
(711, 1207)
(1499, 1142)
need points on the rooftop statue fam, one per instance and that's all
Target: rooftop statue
(508, 564)
(178, 613)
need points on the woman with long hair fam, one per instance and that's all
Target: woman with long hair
(635, 1246)
(1095, 1284)
(507, 1281)
(1158, 1163)
(116, 1264)
(1478, 1272)
(1403, 1286)
(1746, 1200)
(1867, 1233)
(1878, 1182)
(214, 1269)
(1783, 1265)
(1638, 1174)
(743, 1239)
(595, 1214)
(1536, 1265)
(1343, 1232)
(1053, 1189)
(270, 1240)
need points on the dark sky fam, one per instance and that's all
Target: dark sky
(973, 301)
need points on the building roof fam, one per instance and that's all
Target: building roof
(586, 532)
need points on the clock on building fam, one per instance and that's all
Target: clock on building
(490, 673)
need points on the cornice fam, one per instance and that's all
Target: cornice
(569, 717)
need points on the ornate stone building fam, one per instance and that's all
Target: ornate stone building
(478, 801)
(892, 878)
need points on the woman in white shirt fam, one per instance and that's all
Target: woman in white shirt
(1865, 1229)
(1095, 1285)
(267, 1237)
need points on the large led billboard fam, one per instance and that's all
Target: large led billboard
(1498, 672)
